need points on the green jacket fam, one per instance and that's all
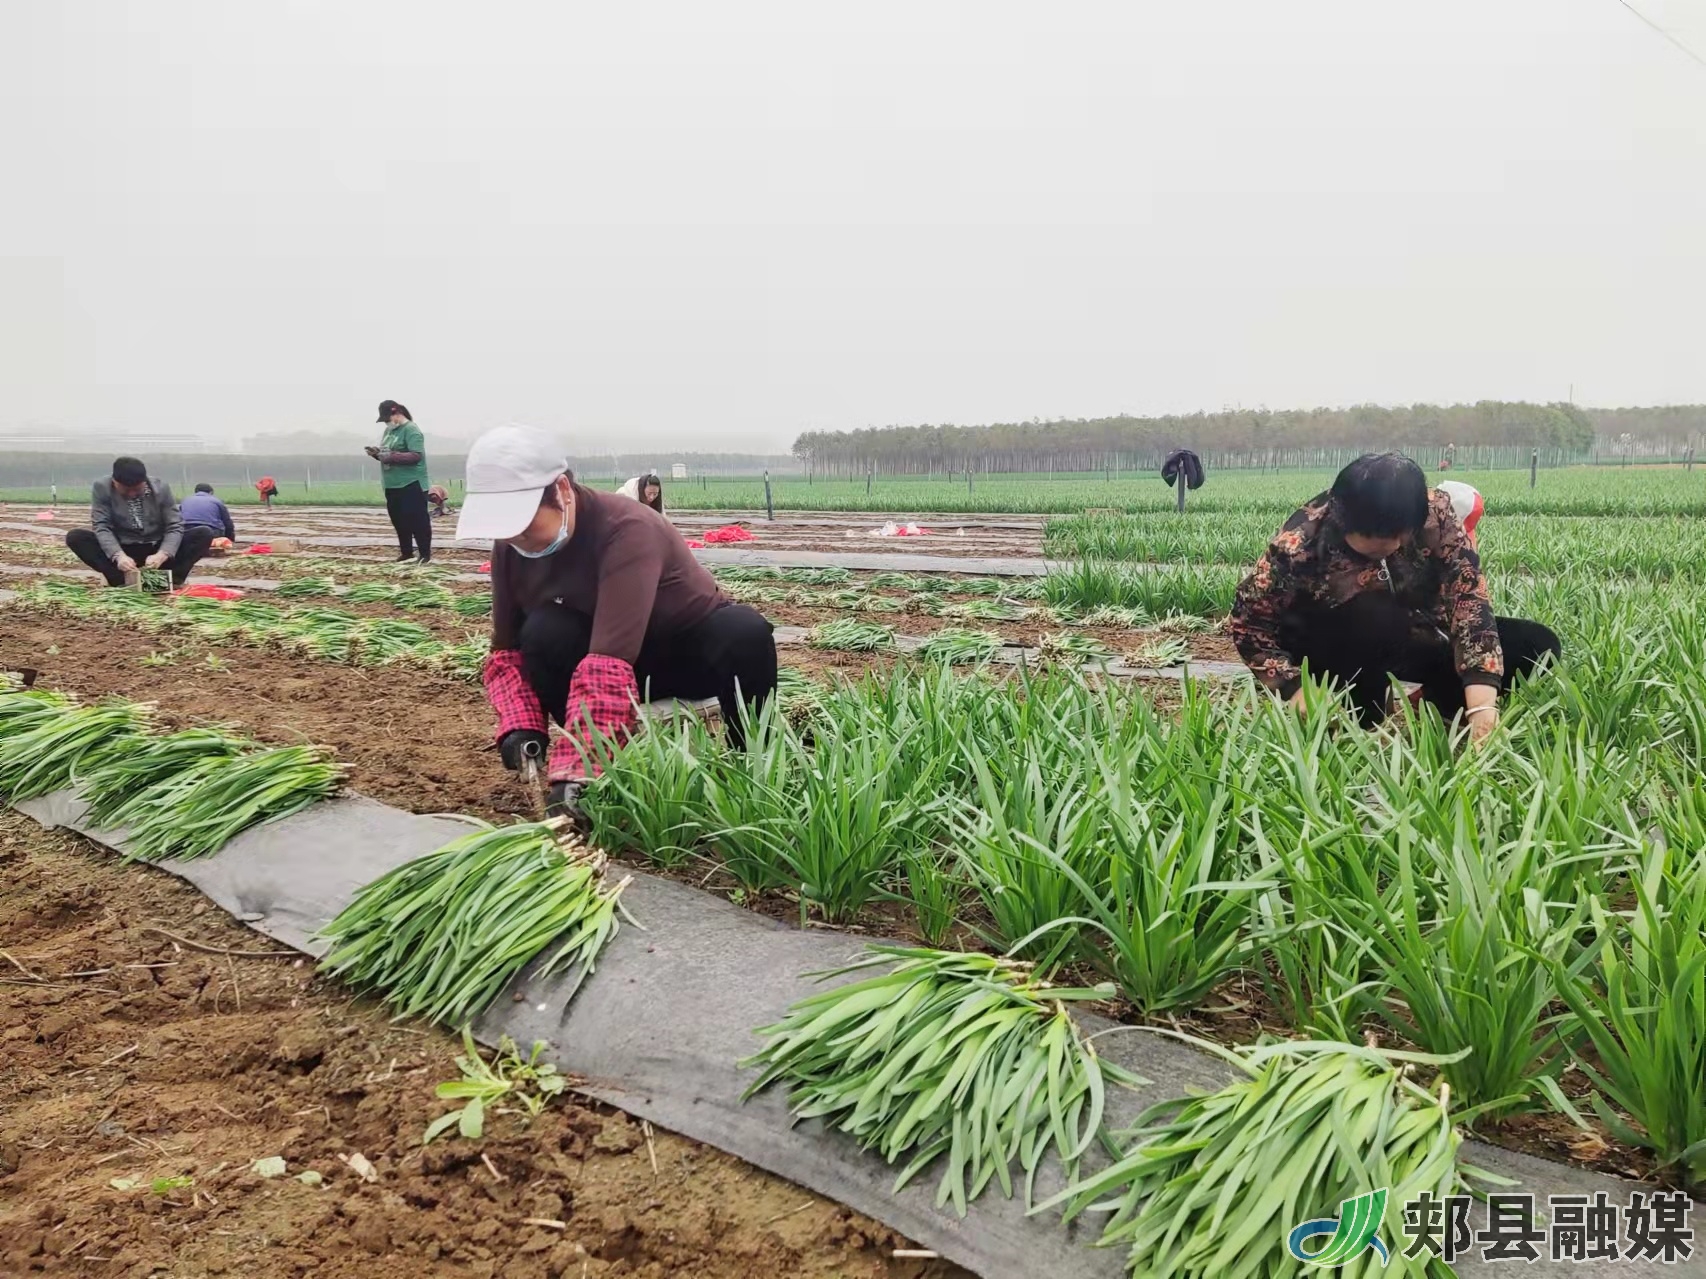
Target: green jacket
(406, 438)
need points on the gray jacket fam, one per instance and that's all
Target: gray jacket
(116, 526)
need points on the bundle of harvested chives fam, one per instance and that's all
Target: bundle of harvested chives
(440, 936)
(963, 1055)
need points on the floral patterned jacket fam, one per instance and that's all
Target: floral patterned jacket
(1308, 565)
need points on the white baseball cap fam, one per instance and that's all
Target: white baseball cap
(1466, 504)
(508, 469)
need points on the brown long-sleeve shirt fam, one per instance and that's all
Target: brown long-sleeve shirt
(625, 567)
(1437, 574)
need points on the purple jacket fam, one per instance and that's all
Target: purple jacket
(209, 512)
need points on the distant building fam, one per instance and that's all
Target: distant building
(678, 471)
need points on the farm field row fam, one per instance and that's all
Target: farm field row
(1584, 490)
(1530, 916)
(1660, 546)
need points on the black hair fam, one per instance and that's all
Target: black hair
(204, 488)
(1381, 495)
(129, 470)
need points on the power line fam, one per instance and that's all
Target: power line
(1666, 34)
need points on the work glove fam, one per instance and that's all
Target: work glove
(514, 747)
(602, 711)
(564, 800)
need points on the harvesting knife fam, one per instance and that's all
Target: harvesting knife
(531, 754)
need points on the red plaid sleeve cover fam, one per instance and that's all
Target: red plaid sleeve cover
(511, 696)
(603, 704)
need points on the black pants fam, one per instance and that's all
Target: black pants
(1367, 640)
(407, 507)
(191, 548)
(731, 656)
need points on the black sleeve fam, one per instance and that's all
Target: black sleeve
(506, 612)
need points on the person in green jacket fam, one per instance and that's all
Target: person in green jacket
(401, 454)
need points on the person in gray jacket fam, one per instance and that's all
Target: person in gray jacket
(135, 524)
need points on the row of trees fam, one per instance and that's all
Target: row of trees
(1255, 437)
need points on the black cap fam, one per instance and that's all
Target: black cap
(204, 488)
(129, 470)
(388, 407)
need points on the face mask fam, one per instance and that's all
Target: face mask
(556, 545)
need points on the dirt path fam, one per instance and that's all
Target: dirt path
(158, 1061)
(815, 531)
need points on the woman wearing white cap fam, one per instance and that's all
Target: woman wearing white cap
(595, 597)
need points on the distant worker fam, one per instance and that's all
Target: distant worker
(595, 599)
(1378, 578)
(203, 510)
(645, 489)
(401, 454)
(135, 524)
(267, 487)
(436, 498)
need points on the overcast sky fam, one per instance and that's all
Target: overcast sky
(717, 224)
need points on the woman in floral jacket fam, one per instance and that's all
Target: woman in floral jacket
(1377, 578)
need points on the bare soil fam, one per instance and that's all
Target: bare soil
(814, 531)
(416, 739)
(129, 1056)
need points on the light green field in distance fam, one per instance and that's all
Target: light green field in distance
(335, 493)
(1603, 490)
(1658, 546)
(1569, 491)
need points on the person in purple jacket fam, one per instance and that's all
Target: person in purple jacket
(203, 510)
